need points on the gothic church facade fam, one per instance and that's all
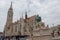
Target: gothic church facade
(31, 26)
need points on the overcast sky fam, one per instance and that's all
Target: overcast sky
(49, 10)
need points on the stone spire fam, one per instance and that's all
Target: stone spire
(25, 15)
(10, 15)
(9, 21)
(10, 6)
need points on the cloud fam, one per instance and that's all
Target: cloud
(49, 10)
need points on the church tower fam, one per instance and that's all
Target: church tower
(9, 21)
(9, 16)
